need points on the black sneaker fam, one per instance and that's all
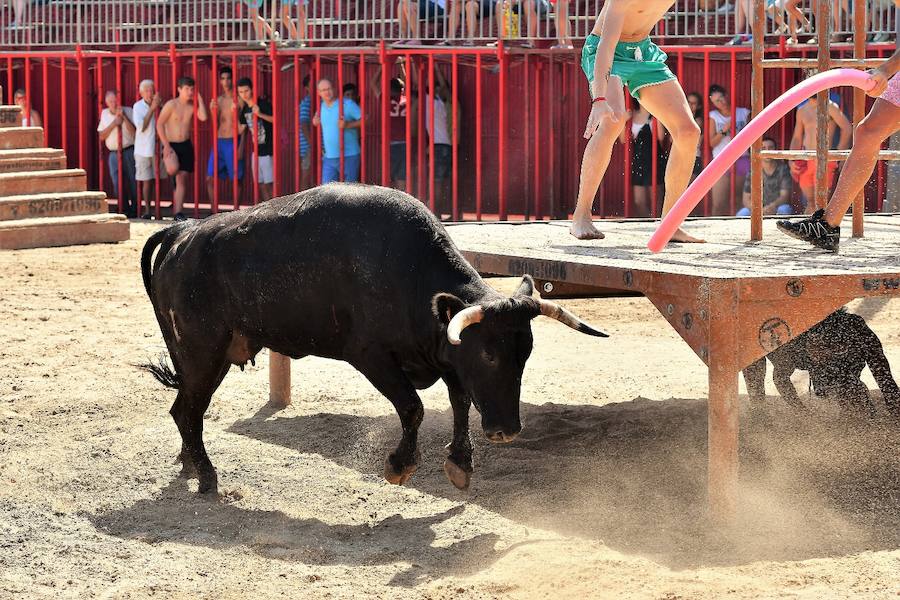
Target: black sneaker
(180, 217)
(814, 230)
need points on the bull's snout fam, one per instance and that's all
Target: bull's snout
(502, 436)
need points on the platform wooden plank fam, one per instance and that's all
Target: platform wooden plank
(727, 254)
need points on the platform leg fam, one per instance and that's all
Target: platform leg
(279, 379)
(722, 428)
(723, 439)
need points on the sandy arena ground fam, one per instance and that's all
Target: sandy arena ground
(602, 496)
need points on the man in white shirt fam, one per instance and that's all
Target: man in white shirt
(117, 126)
(144, 113)
(442, 135)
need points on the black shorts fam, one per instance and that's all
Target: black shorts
(398, 161)
(185, 153)
(443, 161)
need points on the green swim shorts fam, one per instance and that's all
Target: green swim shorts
(637, 64)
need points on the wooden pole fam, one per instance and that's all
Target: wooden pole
(823, 144)
(757, 102)
(859, 101)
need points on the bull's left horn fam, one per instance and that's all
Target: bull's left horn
(461, 320)
(555, 311)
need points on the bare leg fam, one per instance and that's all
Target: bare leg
(210, 189)
(881, 122)
(738, 192)
(641, 200)
(288, 22)
(594, 164)
(182, 179)
(456, 7)
(471, 18)
(147, 191)
(667, 103)
(562, 23)
(301, 22)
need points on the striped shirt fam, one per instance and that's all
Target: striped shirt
(305, 117)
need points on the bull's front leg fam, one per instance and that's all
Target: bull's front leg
(458, 465)
(387, 377)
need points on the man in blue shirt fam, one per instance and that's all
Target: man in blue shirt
(331, 121)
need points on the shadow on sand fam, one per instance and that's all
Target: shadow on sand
(634, 476)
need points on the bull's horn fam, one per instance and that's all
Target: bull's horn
(461, 320)
(555, 311)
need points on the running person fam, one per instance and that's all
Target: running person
(618, 53)
(823, 228)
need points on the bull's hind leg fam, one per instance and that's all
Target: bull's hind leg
(387, 377)
(458, 465)
(190, 405)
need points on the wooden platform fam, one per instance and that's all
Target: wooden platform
(731, 300)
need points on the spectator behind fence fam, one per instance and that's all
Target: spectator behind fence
(804, 138)
(720, 135)
(174, 128)
(262, 109)
(333, 125)
(777, 186)
(441, 135)
(642, 157)
(33, 119)
(144, 113)
(563, 41)
(350, 91)
(305, 135)
(411, 12)
(114, 119)
(398, 119)
(221, 163)
(695, 102)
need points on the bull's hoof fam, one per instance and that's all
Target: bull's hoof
(398, 477)
(208, 484)
(458, 476)
(188, 470)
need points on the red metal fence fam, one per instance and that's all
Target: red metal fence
(520, 144)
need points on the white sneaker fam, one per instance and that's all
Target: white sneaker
(725, 9)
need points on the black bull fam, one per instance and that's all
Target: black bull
(356, 273)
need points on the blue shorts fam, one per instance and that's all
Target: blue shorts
(225, 150)
(429, 11)
(331, 169)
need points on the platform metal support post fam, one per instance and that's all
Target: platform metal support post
(723, 402)
(279, 379)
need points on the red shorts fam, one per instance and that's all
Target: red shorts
(807, 176)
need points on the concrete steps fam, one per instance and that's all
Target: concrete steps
(63, 231)
(43, 182)
(63, 204)
(42, 203)
(21, 137)
(31, 159)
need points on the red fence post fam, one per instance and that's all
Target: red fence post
(501, 144)
(478, 135)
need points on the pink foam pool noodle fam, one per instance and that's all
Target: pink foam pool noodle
(744, 139)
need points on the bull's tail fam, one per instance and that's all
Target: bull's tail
(162, 372)
(152, 242)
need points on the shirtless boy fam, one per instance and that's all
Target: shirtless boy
(804, 171)
(823, 228)
(222, 164)
(173, 127)
(618, 53)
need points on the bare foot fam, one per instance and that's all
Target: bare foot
(584, 229)
(681, 237)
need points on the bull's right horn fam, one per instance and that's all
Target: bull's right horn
(461, 320)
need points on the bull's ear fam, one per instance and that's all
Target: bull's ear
(445, 306)
(526, 288)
